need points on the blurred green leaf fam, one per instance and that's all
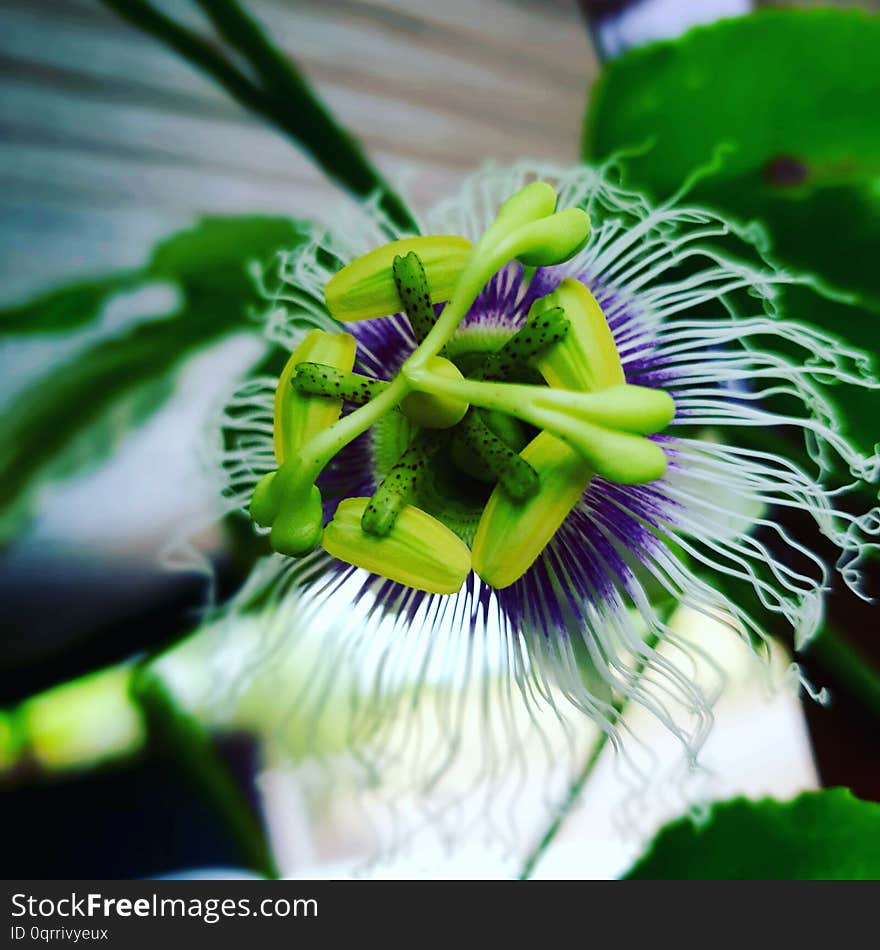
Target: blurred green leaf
(64, 309)
(75, 413)
(827, 835)
(796, 94)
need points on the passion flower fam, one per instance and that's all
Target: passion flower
(540, 440)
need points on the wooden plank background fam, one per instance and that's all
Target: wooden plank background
(109, 141)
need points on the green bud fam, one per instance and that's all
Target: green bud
(436, 411)
(366, 288)
(419, 551)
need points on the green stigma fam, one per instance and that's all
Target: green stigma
(495, 443)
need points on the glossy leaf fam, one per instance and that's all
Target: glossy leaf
(73, 414)
(827, 835)
(795, 95)
(66, 308)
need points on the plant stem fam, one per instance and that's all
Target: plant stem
(285, 99)
(853, 672)
(192, 48)
(566, 806)
(184, 739)
(318, 451)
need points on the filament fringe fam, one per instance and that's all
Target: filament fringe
(409, 685)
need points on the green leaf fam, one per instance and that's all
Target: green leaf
(795, 93)
(67, 308)
(797, 99)
(827, 835)
(77, 411)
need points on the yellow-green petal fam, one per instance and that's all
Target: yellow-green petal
(365, 288)
(511, 535)
(586, 358)
(419, 551)
(299, 416)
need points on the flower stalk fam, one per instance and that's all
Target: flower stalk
(281, 96)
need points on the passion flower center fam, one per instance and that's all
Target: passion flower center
(466, 461)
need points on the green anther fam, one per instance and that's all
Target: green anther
(319, 379)
(396, 488)
(365, 288)
(587, 359)
(540, 331)
(481, 451)
(511, 431)
(511, 536)
(419, 551)
(412, 287)
(298, 418)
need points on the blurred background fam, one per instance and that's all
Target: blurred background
(112, 143)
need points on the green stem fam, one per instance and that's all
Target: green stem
(285, 99)
(182, 737)
(470, 283)
(850, 669)
(566, 806)
(193, 49)
(631, 409)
